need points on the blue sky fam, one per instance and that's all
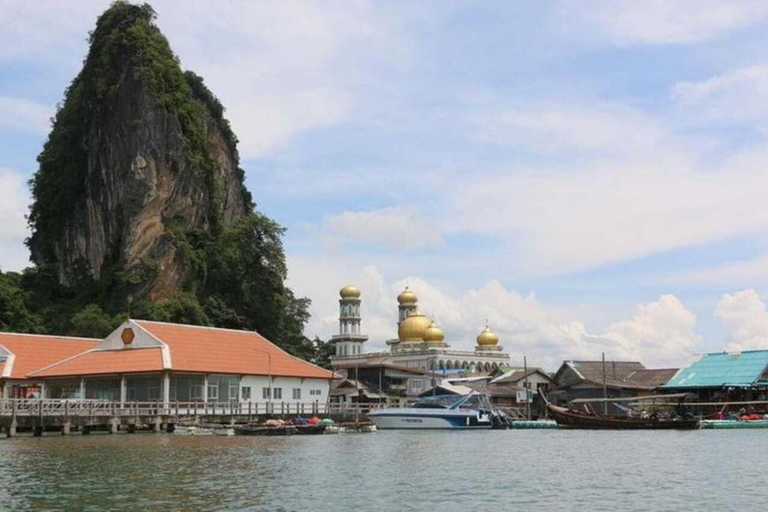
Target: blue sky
(587, 176)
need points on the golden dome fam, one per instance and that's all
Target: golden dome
(413, 327)
(434, 334)
(487, 338)
(349, 292)
(407, 297)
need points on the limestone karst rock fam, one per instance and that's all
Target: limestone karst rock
(139, 151)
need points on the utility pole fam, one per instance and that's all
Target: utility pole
(605, 390)
(527, 396)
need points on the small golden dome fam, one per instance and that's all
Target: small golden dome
(407, 297)
(413, 328)
(349, 292)
(434, 334)
(487, 338)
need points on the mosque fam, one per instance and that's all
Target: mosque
(420, 343)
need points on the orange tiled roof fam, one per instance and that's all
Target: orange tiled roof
(102, 362)
(211, 350)
(37, 351)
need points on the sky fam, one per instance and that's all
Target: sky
(586, 177)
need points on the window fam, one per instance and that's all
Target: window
(265, 393)
(297, 393)
(417, 383)
(196, 391)
(315, 392)
(213, 392)
(246, 393)
(278, 393)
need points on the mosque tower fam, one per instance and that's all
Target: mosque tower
(406, 304)
(349, 341)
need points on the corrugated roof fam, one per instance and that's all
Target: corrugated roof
(652, 378)
(33, 352)
(723, 369)
(104, 362)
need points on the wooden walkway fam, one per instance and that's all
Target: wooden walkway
(85, 415)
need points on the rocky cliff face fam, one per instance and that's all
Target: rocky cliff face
(139, 153)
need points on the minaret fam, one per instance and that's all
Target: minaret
(406, 304)
(349, 341)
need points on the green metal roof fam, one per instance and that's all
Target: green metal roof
(743, 369)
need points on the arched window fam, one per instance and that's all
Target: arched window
(441, 365)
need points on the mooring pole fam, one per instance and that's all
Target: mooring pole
(527, 396)
(605, 390)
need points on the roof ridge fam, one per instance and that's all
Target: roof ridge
(54, 336)
(196, 326)
(65, 360)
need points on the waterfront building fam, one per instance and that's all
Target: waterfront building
(146, 361)
(724, 376)
(420, 342)
(20, 354)
(622, 379)
(377, 377)
(509, 389)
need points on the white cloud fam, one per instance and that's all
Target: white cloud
(13, 225)
(739, 95)
(638, 189)
(24, 115)
(736, 273)
(657, 22)
(401, 226)
(662, 332)
(552, 128)
(745, 318)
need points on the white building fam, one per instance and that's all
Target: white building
(144, 361)
(419, 343)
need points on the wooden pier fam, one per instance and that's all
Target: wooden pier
(38, 415)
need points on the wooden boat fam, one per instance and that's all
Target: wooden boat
(568, 418)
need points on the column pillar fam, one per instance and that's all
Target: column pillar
(42, 390)
(167, 388)
(205, 388)
(82, 388)
(66, 428)
(123, 391)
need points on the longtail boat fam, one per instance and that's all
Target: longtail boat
(569, 418)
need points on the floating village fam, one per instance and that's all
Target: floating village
(191, 380)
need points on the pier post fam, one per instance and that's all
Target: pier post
(66, 428)
(11, 430)
(158, 427)
(114, 424)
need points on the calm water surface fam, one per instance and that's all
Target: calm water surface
(391, 470)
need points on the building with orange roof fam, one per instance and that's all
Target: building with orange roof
(21, 354)
(153, 361)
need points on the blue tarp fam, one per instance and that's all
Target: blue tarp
(743, 369)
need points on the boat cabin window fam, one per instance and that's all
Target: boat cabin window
(472, 402)
(437, 402)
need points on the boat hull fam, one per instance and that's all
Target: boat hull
(566, 418)
(420, 419)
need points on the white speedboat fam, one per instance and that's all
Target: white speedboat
(438, 412)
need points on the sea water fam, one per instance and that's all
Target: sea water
(390, 471)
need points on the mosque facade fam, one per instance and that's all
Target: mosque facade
(420, 343)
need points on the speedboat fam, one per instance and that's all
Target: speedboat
(469, 411)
